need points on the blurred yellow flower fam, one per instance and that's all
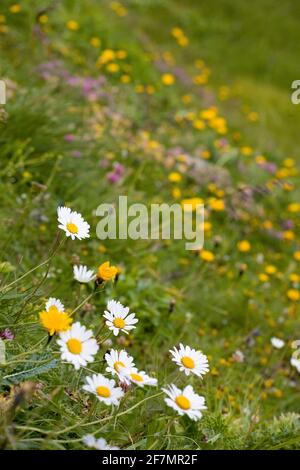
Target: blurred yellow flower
(288, 235)
(176, 32)
(199, 124)
(125, 78)
(297, 255)
(270, 269)
(15, 8)
(43, 19)
(289, 162)
(191, 204)
(207, 256)
(72, 25)
(121, 55)
(216, 204)
(293, 277)
(293, 294)
(112, 67)
(167, 79)
(244, 246)
(95, 42)
(263, 277)
(176, 193)
(247, 151)
(175, 177)
(294, 207)
(206, 154)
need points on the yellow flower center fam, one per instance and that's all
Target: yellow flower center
(72, 227)
(188, 362)
(119, 322)
(183, 402)
(136, 377)
(74, 346)
(118, 365)
(103, 391)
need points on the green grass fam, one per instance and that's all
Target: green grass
(218, 307)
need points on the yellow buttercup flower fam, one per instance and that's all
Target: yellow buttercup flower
(191, 204)
(95, 42)
(107, 272)
(175, 177)
(294, 207)
(167, 79)
(55, 321)
(217, 205)
(72, 25)
(263, 277)
(270, 269)
(293, 277)
(244, 246)
(207, 256)
(297, 255)
(288, 235)
(293, 295)
(113, 67)
(15, 8)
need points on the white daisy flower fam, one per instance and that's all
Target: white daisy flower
(295, 363)
(185, 402)
(77, 345)
(118, 319)
(190, 361)
(140, 378)
(100, 444)
(118, 361)
(72, 223)
(277, 342)
(104, 389)
(52, 302)
(83, 274)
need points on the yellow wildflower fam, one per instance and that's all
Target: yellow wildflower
(107, 272)
(55, 321)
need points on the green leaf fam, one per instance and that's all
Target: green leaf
(32, 369)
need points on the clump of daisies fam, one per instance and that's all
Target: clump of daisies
(122, 365)
(72, 223)
(187, 401)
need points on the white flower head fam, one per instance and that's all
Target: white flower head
(139, 378)
(117, 318)
(118, 361)
(100, 444)
(72, 223)
(77, 345)
(277, 342)
(83, 274)
(190, 361)
(185, 402)
(295, 363)
(104, 389)
(52, 302)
